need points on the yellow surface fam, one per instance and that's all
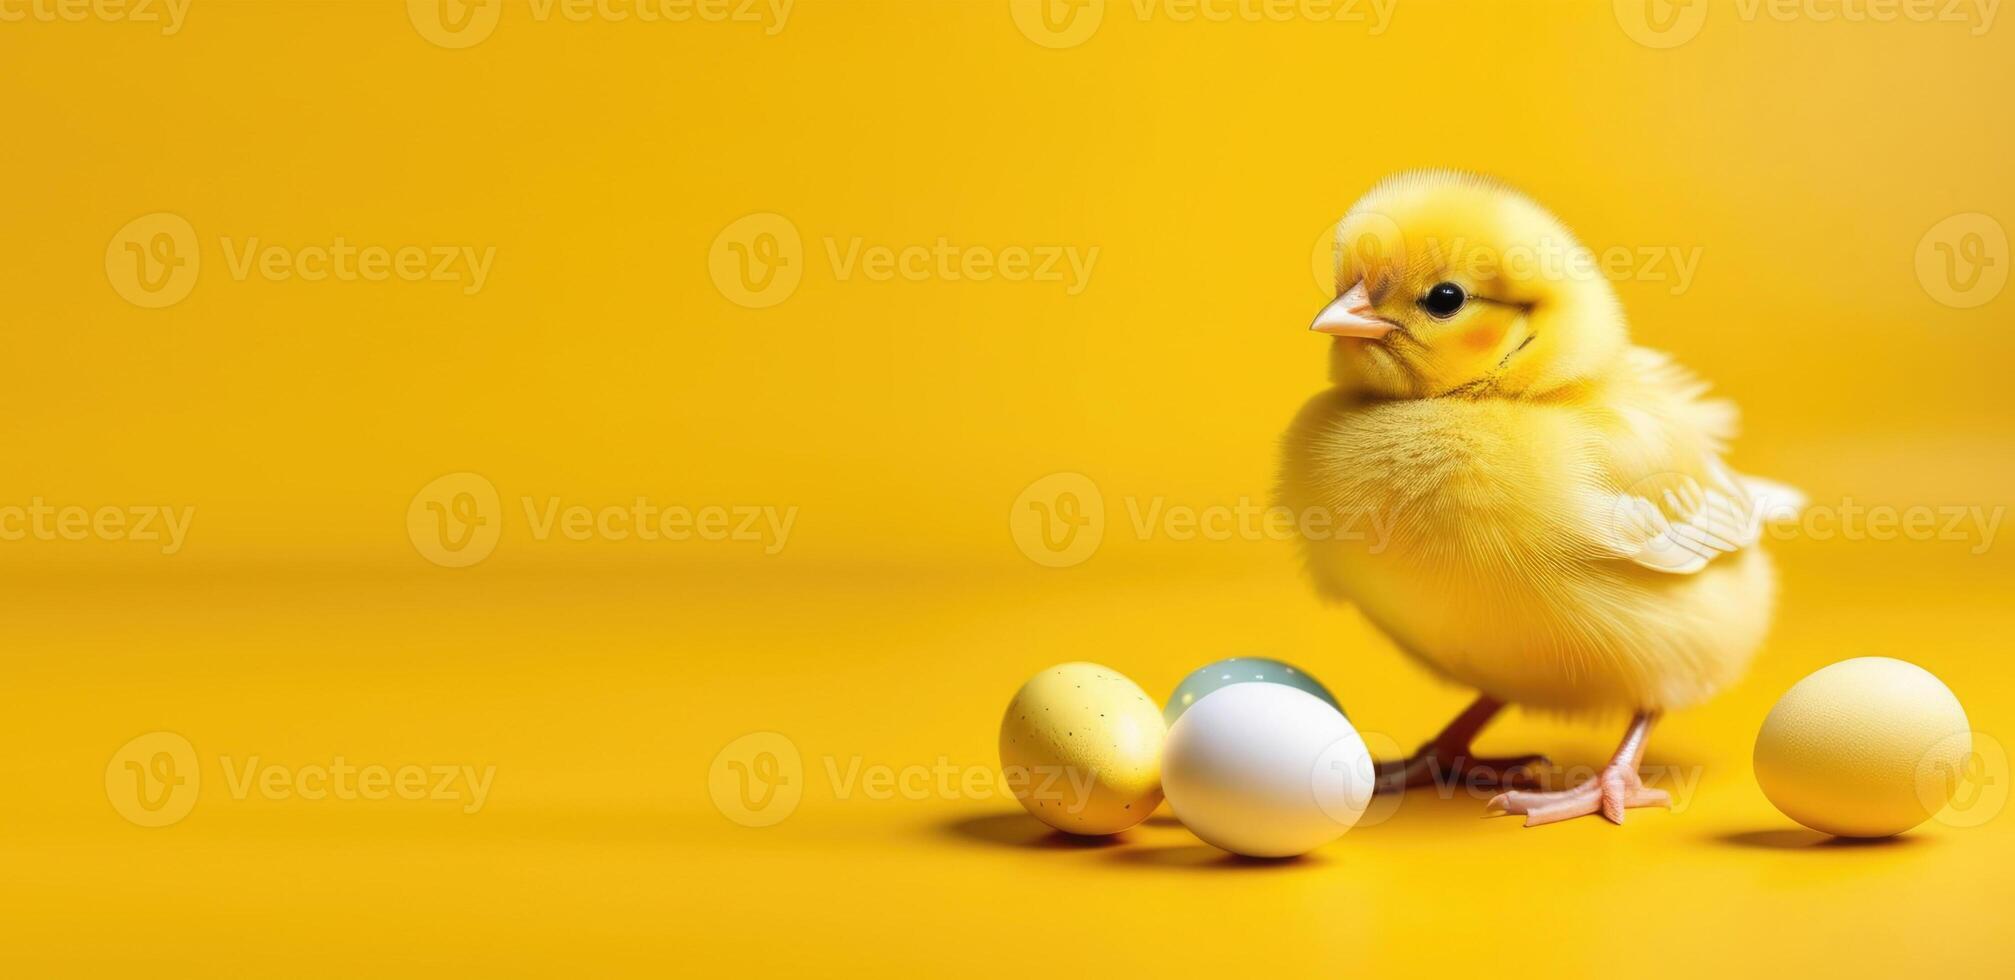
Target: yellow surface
(1824, 173)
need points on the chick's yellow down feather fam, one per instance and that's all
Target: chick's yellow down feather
(1557, 528)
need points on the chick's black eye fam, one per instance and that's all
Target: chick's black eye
(1442, 300)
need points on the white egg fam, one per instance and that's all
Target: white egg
(1266, 770)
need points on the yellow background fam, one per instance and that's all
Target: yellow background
(1802, 161)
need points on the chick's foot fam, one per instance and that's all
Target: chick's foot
(1433, 765)
(1616, 789)
(1447, 759)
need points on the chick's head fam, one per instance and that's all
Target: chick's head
(1452, 284)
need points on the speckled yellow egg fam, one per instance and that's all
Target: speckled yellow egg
(1081, 749)
(1867, 747)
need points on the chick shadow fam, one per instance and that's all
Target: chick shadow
(1800, 839)
(1451, 802)
(1203, 857)
(1019, 830)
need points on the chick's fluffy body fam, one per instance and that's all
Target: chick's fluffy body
(1494, 567)
(1501, 493)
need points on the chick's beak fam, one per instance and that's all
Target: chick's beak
(1350, 315)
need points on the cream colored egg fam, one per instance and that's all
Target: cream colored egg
(1081, 749)
(1867, 747)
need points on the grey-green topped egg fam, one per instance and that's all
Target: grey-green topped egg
(1240, 670)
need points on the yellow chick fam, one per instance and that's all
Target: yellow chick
(1558, 528)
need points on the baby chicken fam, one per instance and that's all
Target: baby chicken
(1562, 533)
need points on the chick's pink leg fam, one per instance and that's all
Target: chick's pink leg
(1617, 788)
(1448, 755)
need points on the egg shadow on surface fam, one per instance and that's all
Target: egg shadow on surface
(1021, 830)
(1800, 839)
(1203, 857)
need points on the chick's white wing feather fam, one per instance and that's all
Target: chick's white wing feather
(1678, 523)
(1669, 503)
